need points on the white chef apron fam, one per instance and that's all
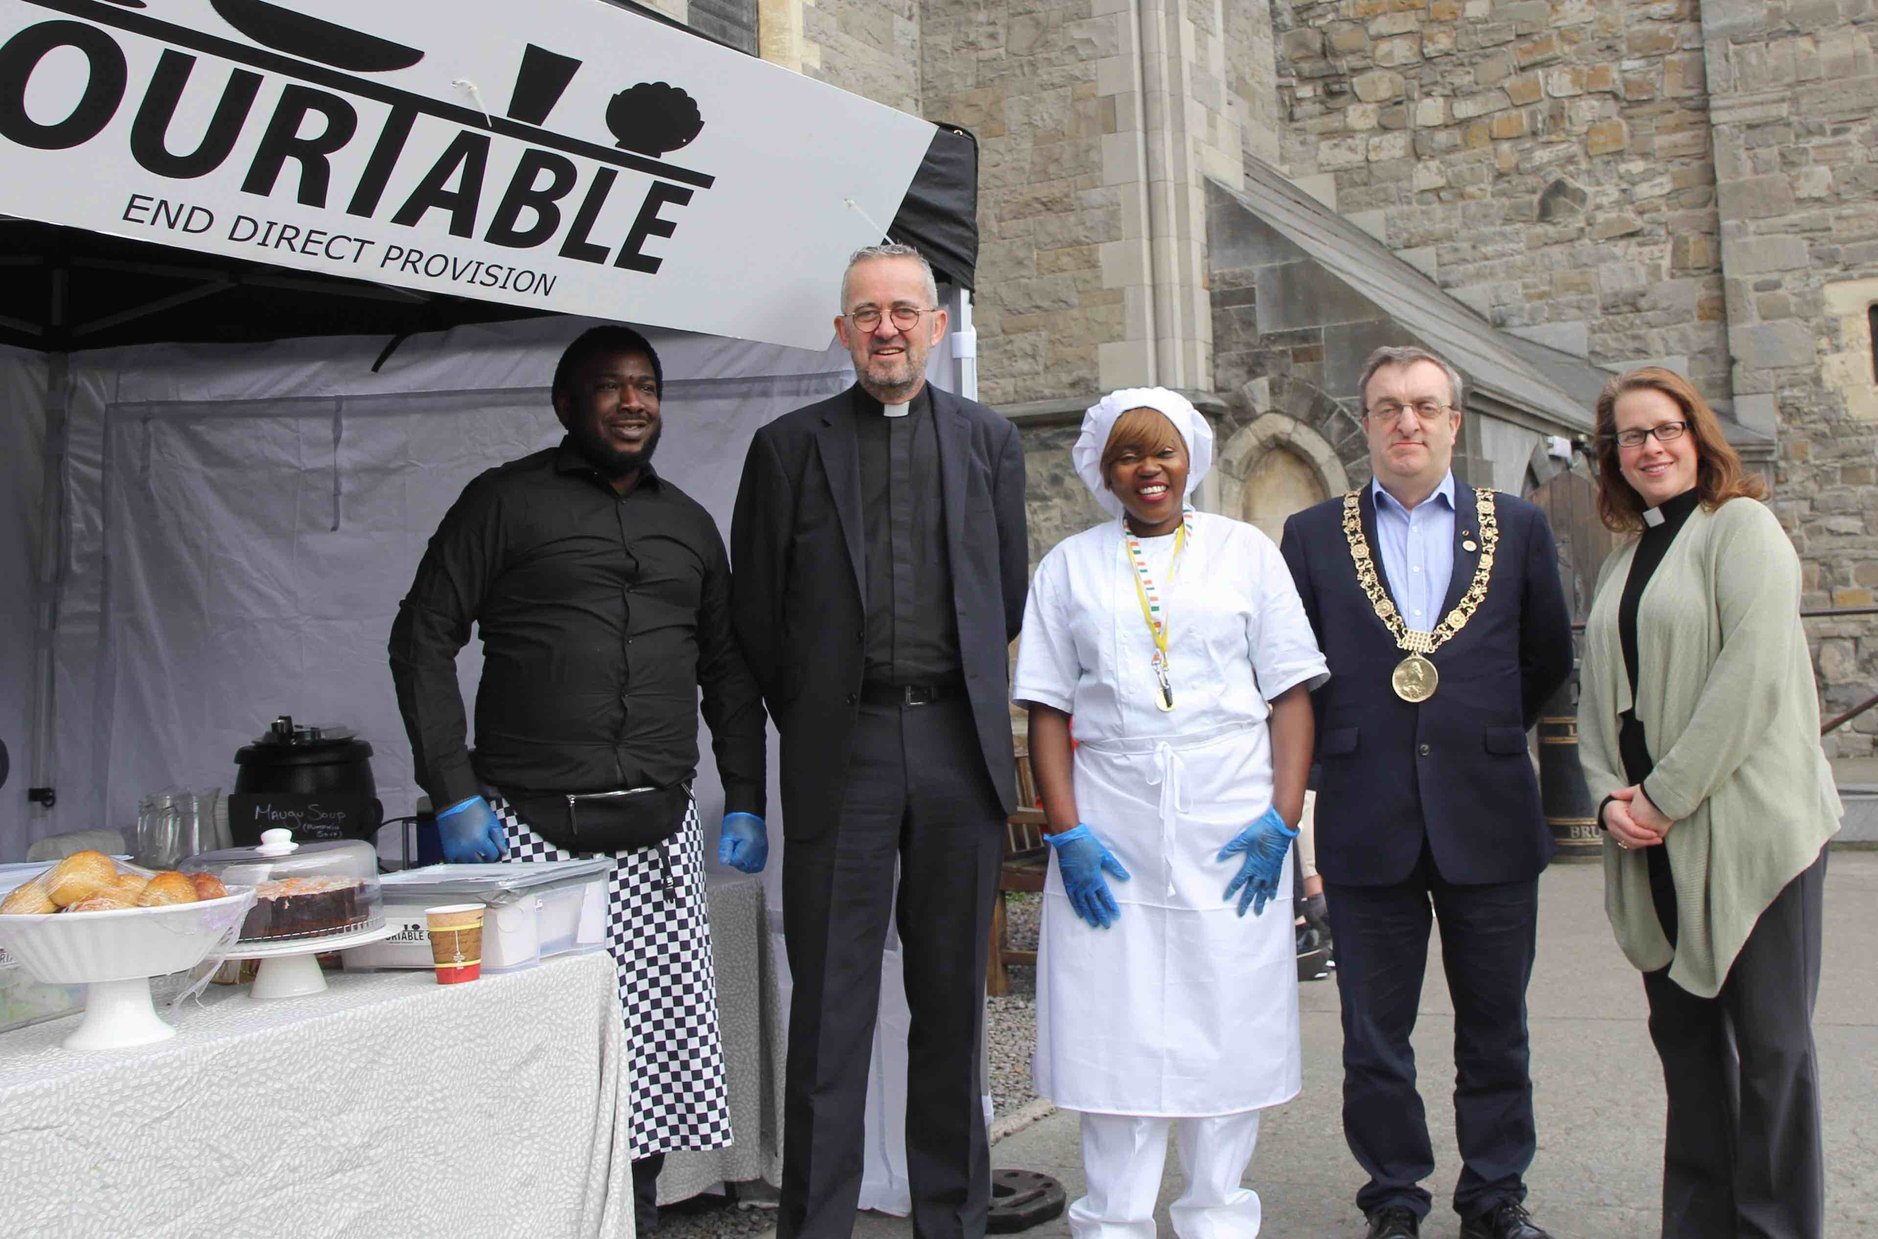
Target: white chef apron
(1181, 1008)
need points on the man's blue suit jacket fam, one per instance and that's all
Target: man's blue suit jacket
(1455, 769)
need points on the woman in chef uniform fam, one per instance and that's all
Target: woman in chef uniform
(1166, 979)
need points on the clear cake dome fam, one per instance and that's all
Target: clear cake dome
(301, 890)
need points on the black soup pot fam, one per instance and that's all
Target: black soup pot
(315, 782)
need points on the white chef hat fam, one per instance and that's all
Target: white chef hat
(1099, 422)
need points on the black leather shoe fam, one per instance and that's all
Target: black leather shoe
(1317, 916)
(1508, 1220)
(1313, 955)
(1394, 1222)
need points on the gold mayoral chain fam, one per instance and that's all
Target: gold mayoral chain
(1415, 677)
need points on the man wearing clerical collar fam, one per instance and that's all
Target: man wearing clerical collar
(881, 567)
(1440, 660)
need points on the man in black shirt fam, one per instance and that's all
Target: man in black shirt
(602, 595)
(881, 571)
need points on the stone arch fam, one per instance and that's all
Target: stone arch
(1274, 467)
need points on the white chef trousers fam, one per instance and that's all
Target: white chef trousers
(1122, 1158)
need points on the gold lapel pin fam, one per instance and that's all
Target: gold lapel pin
(1468, 545)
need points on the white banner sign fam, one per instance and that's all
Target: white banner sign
(556, 154)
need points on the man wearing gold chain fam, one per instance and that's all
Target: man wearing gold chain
(1440, 612)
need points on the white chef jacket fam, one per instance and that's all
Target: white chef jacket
(1182, 1008)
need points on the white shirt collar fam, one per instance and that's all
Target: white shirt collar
(1445, 489)
(897, 410)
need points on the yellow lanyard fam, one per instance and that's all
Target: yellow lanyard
(1153, 608)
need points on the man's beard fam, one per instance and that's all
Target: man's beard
(612, 463)
(891, 381)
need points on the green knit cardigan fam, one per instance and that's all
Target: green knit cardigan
(1726, 697)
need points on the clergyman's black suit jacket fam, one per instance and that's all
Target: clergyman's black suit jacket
(870, 791)
(797, 548)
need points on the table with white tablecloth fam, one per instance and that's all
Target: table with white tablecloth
(751, 1023)
(388, 1105)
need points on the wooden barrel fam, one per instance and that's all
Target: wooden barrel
(1569, 810)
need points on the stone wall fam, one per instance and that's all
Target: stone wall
(868, 47)
(1545, 160)
(1055, 499)
(677, 10)
(1795, 112)
(1673, 181)
(1252, 79)
(1022, 77)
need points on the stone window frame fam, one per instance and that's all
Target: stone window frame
(1871, 325)
(646, 8)
(1848, 367)
(1248, 446)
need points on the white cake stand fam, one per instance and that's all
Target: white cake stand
(114, 954)
(288, 967)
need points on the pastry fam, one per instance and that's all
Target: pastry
(208, 886)
(103, 901)
(168, 887)
(29, 898)
(128, 885)
(79, 875)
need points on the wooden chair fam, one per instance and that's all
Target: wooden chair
(1026, 861)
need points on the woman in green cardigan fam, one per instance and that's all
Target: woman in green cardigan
(1699, 728)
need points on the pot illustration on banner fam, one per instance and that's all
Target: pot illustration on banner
(653, 118)
(286, 30)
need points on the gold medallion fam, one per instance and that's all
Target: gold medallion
(1414, 679)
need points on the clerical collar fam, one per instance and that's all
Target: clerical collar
(1672, 512)
(864, 403)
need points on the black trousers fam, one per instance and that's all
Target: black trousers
(646, 1193)
(917, 798)
(1488, 936)
(1742, 1156)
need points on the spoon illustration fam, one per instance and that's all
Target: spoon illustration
(288, 31)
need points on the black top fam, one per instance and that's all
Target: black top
(912, 633)
(1651, 548)
(1632, 745)
(601, 615)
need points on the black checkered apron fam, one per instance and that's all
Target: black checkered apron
(661, 941)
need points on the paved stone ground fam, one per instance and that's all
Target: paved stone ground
(1597, 1087)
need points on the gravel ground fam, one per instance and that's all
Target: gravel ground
(711, 1217)
(1011, 1021)
(1010, 1035)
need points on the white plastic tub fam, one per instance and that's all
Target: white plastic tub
(535, 911)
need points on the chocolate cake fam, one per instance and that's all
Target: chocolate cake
(305, 907)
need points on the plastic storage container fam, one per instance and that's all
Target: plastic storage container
(302, 891)
(24, 1000)
(535, 910)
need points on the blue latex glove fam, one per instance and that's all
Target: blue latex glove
(743, 842)
(1082, 858)
(1265, 844)
(469, 832)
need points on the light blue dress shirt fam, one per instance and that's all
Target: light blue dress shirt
(1417, 549)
